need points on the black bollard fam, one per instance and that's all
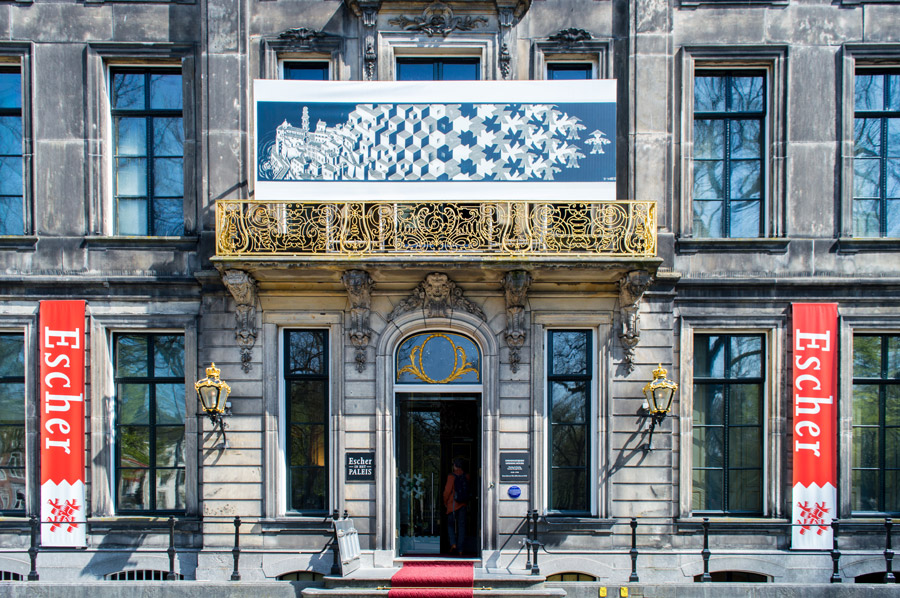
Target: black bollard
(170, 576)
(634, 553)
(33, 549)
(705, 553)
(888, 553)
(236, 551)
(835, 553)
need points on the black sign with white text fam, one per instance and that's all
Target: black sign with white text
(515, 467)
(360, 467)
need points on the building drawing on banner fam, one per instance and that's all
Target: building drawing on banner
(430, 142)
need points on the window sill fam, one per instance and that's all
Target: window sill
(18, 242)
(123, 242)
(864, 245)
(736, 3)
(745, 526)
(761, 245)
(140, 524)
(297, 525)
(575, 525)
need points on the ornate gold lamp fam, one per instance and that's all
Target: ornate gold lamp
(213, 394)
(659, 392)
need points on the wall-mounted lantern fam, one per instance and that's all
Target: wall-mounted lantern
(659, 394)
(213, 394)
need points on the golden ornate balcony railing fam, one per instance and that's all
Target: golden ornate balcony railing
(498, 229)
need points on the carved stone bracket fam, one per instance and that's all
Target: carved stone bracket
(437, 295)
(571, 35)
(359, 287)
(243, 288)
(504, 61)
(515, 285)
(631, 289)
(438, 19)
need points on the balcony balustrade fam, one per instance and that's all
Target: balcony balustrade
(516, 230)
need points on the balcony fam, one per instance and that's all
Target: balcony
(278, 235)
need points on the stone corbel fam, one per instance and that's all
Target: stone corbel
(506, 20)
(243, 288)
(359, 287)
(515, 286)
(367, 11)
(436, 296)
(631, 289)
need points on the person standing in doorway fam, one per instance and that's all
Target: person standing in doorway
(456, 499)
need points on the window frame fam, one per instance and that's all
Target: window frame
(562, 65)
(598, 52)
(772, 326)
(30, 445)
(394, 45)
(437, 62)
(726, 381)
(771, 60)
(600, 443)
(151, 381)
(18, 56)
(882, 382)
(284, 61)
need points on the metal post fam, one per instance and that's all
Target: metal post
(634, 553)
(170, 576)
(336, 561)
(705, 553)
(528, 540)
(835, 553)
(535, 569)
(236, 551)
(888, 553)
(33, 549)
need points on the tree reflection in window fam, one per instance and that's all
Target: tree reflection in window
(568, 392)
(150, 413)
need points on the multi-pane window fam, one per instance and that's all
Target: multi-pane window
(569, 70)
(728, 423)
(875, 461)
(306, 71)
(438, 69)
(12, 423)
(306, 418)
(150, 412)
(148, 147)
(729, 132)
(876, 154)
(11, 187)
(569, 406)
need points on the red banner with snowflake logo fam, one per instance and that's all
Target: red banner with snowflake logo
(62, 423)
(814, 418)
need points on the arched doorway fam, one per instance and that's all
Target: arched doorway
(437, 384)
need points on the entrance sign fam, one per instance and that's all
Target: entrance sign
(360, 467)
(814, 446)
(515, 467)
(435, 140)
(62, 423)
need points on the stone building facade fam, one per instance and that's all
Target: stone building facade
(755, 129)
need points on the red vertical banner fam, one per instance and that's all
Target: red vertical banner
(814, 393)
(62, 423)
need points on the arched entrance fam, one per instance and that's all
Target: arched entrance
(437, 384)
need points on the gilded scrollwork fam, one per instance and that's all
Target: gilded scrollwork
(437, 295)
(417, 368)
(359, 287)
(631, 289)
(243, 289)
(515, 287)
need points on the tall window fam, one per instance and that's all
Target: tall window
(875, 462)
(12, 423)
(557, 71)
(729, 125)
(569, 405)
(306, 71)
(728, 424)
(306, 408)
(150, 411)
(148, 138)
(438, 69)
(876, 154)
(12, 220)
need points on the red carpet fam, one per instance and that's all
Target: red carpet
(440, 579)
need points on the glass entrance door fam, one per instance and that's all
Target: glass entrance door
(434, 430)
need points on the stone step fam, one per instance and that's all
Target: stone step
(478, 591)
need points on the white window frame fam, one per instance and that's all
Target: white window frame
(392, 46)
(27, 326)
(772, 331)
(305, 57)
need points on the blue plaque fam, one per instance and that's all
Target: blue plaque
(514, 492)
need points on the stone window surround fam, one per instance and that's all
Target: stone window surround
(103, 324)
(772, 60)
(275, 51)
(851, 57)
(100, 58)
(598, 52)
(850, 325)
(27, 325)
(271, 340)
(773, 331)
(601, 326)
(12, 55)
(393, 45)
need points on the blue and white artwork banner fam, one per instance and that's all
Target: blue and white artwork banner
(347, 140)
